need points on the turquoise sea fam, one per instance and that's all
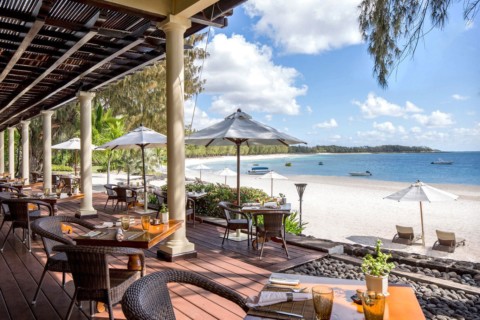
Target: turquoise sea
(403, 167)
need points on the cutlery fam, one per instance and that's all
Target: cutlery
(286, 288)
(283, 313)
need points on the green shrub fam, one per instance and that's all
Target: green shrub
(61, 168)
(378, 265)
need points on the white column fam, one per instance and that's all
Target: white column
(25, 152)
(11, 152)
(2, 152)
(86, 207)
(177, 245)
(47, 150)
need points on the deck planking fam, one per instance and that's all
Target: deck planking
(233, 265)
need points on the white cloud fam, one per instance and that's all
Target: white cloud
(372, 135)
(335, 137)
(308, 27)
(415, 129)
(332, 123)
(469, 132)
(375, 106)
(268, 117)
(435, 119)
(459, 97)
(309, 109)
(387, 127)
(251, 81)
(432, 136)
(200, 120)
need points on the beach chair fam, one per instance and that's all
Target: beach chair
(405, 235)
(447, 241)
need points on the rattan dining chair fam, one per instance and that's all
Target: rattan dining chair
(50, 229)
(5, 211)
(273, 226)
(149, 299)
(94, 280)
(111, 194)
(21, 215)
(229, 211)
(125, 195)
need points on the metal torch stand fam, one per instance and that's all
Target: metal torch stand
(300, 189)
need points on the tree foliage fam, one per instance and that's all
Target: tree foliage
(393, 28)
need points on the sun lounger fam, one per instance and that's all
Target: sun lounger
(447, 241)
(405, 235)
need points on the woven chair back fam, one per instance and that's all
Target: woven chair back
(109, 188)
(273, 222)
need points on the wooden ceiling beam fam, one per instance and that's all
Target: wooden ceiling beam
(189, 8)
(83, 74)
(36, 27)
(52, 67)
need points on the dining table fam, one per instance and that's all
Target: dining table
(134, 237)
(401, 303)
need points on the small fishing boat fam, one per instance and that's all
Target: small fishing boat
(320, 163)
(288, 164)
(258, 170)
(441, 161)
(360, 174)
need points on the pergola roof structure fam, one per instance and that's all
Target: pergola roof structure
(51, 49)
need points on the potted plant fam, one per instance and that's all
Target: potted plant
(376, 269)
(164, 214)
(75, 187)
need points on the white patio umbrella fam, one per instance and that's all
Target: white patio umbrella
(237, 129)
(72, 144)
(142, 137)
(273, 175)
(420, 191)
(227, 172)
(201, 167)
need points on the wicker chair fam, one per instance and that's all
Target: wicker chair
(125, 195)
(273, 226)
(50, 229)
(93, 279)
(14, 193)
(21, 216)
(5, 187)
(189, 205)
(228, 210)
(112, 195)
(149, 299)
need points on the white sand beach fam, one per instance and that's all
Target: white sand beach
(352, 210)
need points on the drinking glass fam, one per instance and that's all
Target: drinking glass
(46, 191)
(373, 305)
(145, 222)
(125, 222)
(323, 302)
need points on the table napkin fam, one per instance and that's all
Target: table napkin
(104, 225)
(270, 205)
(266, 298)
(119, 235)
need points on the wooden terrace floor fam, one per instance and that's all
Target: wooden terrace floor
(234, 266)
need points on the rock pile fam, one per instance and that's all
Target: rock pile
(437, 303)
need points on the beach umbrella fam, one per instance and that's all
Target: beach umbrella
(201, 167)
(142, 137)
(227, 172)
(237, 129)
(72, 144)
(420, 192)
(273, 175)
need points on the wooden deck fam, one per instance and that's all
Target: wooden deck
(233, 265)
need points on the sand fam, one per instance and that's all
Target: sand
(352, 209)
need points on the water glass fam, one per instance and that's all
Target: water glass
(125, 222)
(323, 302)
(46, 191)
(145, 222)
(373, 305)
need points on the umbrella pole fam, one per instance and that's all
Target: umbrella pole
(421, 218)
(75, 162)
(271, 187)
(145, 197)
(238, 185)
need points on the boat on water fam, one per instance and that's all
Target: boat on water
(441, 161)
(320, 163)
(258, 170)
(361, 174)
(288, 164)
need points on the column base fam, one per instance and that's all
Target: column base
(162, 255)
(86, 214)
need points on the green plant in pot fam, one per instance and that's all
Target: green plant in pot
(376, 269)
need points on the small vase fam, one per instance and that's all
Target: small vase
(377, 284)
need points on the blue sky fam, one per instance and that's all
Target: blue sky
(306, 71)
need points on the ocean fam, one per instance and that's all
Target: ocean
(402, 167)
